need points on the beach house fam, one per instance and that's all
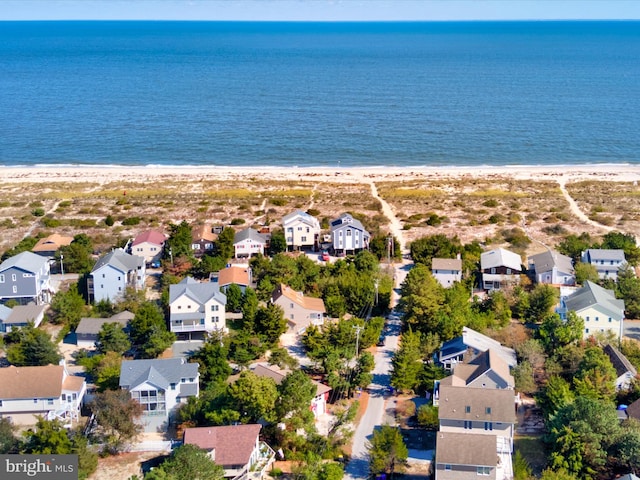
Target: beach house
(500, 267)
(149, 245)
(196, 308)
(348, 235)
(25, 278)
(301, 230)
(113, 273)
(606, 261)
(598, 307)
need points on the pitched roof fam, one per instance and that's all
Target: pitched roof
(249, 234)
(304, 218)
(479, 450)
(25, 313)
(203, 232)
(500, 258)
(150, 236)
(446, 264)
(120, 260)
(27, 261)
(91, 326)
(592, 294)
(277, 374)
(237, 275)
(52, 243)
(308, 303)
(479, 342)
(347, 220)
(483, 404)
(466, 373)
(197, 291)
(633, 410)
(4, 312)
(160, 371)
(605, 254)
(232, 445)
(73, 383)
(545, 261)
(31, 382)
(619, 361)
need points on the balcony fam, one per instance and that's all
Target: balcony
(188, 327)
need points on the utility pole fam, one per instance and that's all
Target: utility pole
(376, 285)
(358, 329)
(62, 266)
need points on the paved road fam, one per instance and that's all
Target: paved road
(379, 402)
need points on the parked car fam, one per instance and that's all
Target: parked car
(325, 256)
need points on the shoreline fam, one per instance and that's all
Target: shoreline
(115, 173)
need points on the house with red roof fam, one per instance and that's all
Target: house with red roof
(236, 448)
(149, 245)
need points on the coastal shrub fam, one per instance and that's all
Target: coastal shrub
(515, 218)
(131, 221)
(556, 229)
(278, 202)
(80, 222)
(497, 218)
(38, 212)
(7, 223)
(4, 204)
(433, 219)
(314, 212)
(64, 204)
(50, 222)
(201, 209)
(516, 237)
(238, 221)
(491, 203)
(122, 201)
(36, 204)
(109, 221)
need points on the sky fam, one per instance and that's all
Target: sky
(319, 10)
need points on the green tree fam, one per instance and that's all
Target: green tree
(112, 338)
(234, 298)
(8, 440)
(555, 333)
(574, 245)
(558, 474)
(278, 243)
(107, 371)
(29, 346)
(521, 468)
(428, 416)
(254, 397)
(68, 307)
(179, 241)
(77, 256)
(296, 392)
(421, 300)
(149, 331)
(556, 395)
(24, 245)
(212, 358)
(586, 271)
(623, 241)
(434, 246)
(187, 462)
(523, 375)
(48, 437)
(387, 452)
(116, 413)
(628, 288)
(407, 362)
(541, 301)
(270, 322)
(596, 376)
(224, 244)
(249, 308)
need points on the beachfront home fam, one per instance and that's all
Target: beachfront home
(49, 391)
(606, 261)
(236, 275)
(149, 245)
(348, 235)
(480, 457)
(301, 230)
(21, 315)
(25, 278)
(446, 271)
(160, 386)
(500, 267)
(48, 246)
(625, 371)
(468, 346)
(196, 308)
(318, 403)
(88, 329)
(300, 311)
(598, 307)
(202, 240)
(236, 448)
(552, 268)
(113, 273)
(249, 242)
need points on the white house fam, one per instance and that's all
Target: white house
(552, 268)
(470, 345)
(196, 307)
(236, 448)
(159, 385)
(49, 391)
(149, 245)
(249, 242)
(625, 371)
(348, 234)
(301, 230)
(598, 307)
(114, 272)
(500, 267)
(25, 278)
(446, 271)
(606, 261)
(88, 329)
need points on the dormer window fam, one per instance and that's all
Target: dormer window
(467, 409)
(487, 410)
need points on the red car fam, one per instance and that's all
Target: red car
(325, 256)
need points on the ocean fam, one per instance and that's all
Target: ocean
(319, 94)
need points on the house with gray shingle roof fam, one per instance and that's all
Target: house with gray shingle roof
(598, 307)
(249, 242)
(301, 230)
(500, 267)
(348, 234)
(197, 307)
(113, 273)
(606, 261)
(446, 271)
(552, 268)
(624, 370)
(159, 385)
(88, 329)
(468, 346)
(479, 457)
(21, 315)
(25, 278)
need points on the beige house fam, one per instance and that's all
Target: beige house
(50, 391)
(48, 246)
(149, 245)
(300, 311)
(301, 230)
(598, 307)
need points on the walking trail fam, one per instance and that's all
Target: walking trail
(394, 224)
(575, 209)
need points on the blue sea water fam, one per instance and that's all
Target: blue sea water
(319, 94)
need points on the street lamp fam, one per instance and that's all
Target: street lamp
(62, 266)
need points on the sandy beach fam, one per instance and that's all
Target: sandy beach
(106, 174)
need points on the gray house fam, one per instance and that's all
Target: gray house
(552, 268)
(25, 278)
(477, 458)
(348, 234)
(113, 273)
(159, 385)
(446, 271)
(21, 315)
(88, 328)
(606, 261)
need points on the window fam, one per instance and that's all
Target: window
(597, 319)
(179, 307)
(202, 321)
(173, 386)
(508, 271)
(493, 270)
(307, 229)
(183, 380)
(49, 401)
(467, 409)
(609, 319)
(348, 232)
(216, 319)
(587, 318)
(64, 397)
(487, 410)
(1, 277)
(35, 400)
(0, 403)
(303, 239)
(292, 316)
(468, 424)
(195, 246)
(488, 426)
(214, 308)
(484, 471)
(15, 289)
(447, 467)
(291, 305)
(119, 278)
(586, 330)
(103, 275)
(192, 379)
(299, 229)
